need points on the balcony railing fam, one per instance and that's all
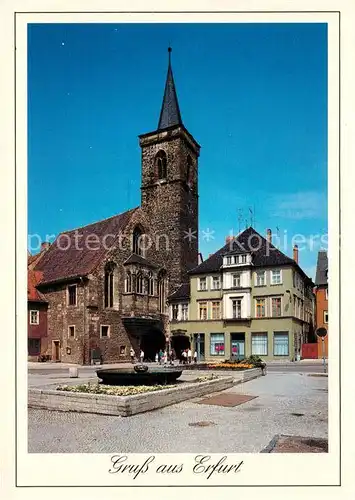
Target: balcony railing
(236, 318)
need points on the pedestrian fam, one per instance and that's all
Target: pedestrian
(160, 356)
(195, 356)
(184, 357)
(132, 354)
(165, 358)
(189, 354)
(157, 357)
(141, 356)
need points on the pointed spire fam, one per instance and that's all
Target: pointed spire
(170, 111)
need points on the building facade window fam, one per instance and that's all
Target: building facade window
(243, 259)
(259, 344)
(326, 294)
(325, 316)
(260, 308)
(104, 331)
(150, 283)
(34, 347)
(128, 282)
(216, 309)
(202, 284)
(217, 344)
(161, 165)
(72, 295)
(216, 283)
(229, 261)
(260, 278)
(139, 283)
(276, 307)
(237, 308)
(297, 307)
(175, 311)
(184, 312)
(108, 284)
(71, 332)
(34, 317)
(281, 344)
(236, 280)
(276, 278)
(202, 308)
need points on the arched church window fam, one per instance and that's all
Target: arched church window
(139, 283)
(162, 291)
(161, 165)
(109, 284)
(128, 282)
(150, 284)
(189, 167)
(137, 241)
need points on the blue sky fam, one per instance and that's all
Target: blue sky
(253, 95)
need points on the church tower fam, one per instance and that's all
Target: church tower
(170, 187)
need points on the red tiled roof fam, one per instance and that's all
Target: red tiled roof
(33, 278)
(31, 259)
(73, 254)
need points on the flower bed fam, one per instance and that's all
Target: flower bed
(230, 366)
(245, 364)
(113, 390)
(126, 405)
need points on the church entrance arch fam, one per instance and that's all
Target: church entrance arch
(179, 343)
(151, 343)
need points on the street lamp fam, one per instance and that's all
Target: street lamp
(322, 333)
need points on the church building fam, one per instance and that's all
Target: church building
(106, 284)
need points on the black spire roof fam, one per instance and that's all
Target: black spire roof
(322, 268)
(170, 111)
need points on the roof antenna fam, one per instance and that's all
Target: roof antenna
(251, 216)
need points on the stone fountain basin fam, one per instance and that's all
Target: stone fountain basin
(124, 376)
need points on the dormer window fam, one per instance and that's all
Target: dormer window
(161, 165)
(237, 260)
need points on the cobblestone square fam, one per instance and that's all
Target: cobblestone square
(289, 403)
